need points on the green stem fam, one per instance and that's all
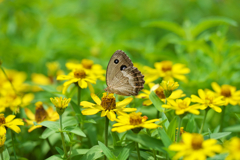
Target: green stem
(2, 155)
(154, 154)
(79, 95)
(222, 118)
(13, 140)
(203, 122)
(138, 153)
(106, 133)
(158, 113)
(62, 136)
(179, 130)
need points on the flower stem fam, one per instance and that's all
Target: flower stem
(50, 146)
(138, 153)
(79, 95)
(62, 136)
(13, 140)
(222, 118)
(203, 122)
(179, 130)
(2, 155)
(106, 133)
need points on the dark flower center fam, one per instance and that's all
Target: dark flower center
(108, 102)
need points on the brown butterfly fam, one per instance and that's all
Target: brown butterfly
(122, 77)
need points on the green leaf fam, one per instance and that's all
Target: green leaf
(172, 129)
(156, 101)
(115, 138)
(90, 121)
(94, 153)
(164, 137)
(51, 125)
(216, 130)
(125, 152)
(75, 130)
(5, 154)
(212, 22)
(59, 150)
(219, 135)
(46, 133)
(235, 128)
(237, 115)
(76, 152)
(77, 110)
(170, 26)
(69, 121)
(50, 89)
(191, 125)
(146, 140)
(55, 157)
(109, 154)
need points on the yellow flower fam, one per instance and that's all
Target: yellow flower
(133, 121)
(10, 122)
(13, 101)
(169, 85)
(60, 103)
(108, 106)
(87, 64)
(208, 99)
(53, 69)
(229, 92)
(194, 147)
(40, 79)
(181, 106)
(40, 115)
(160, 93)
(80, 76)
(167, 70)
(233, 147)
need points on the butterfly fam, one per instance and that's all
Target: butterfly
(122, 77)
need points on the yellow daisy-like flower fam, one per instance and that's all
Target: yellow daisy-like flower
(169, 85)
(10, 122)
(133, 121)
(60, 102)
(80, 76)
(233, 148)
(167, 70)
(87, 64)
(229, 93)
(160, 93)
(181, 106)
(194, 147)
(208, 99)
(107, 106)
(40, 115)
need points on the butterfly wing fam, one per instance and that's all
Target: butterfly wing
(122, 77)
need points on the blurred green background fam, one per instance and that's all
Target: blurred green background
(203, 34)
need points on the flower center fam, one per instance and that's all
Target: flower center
(108, 102)
(87, 63)
(209, 99)
(159, 92)
(79, 74)
(40, 114)
(225, 91)
(182, 105)
(2, 119)
(135, 118)
(166, 66)
(197, 141)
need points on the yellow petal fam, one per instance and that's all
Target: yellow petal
(129, 109)
(9, 118)
(216, 87)
(96, 99)
(147, 102)
(63, 77)
(149, 125)
(123, 128)
(14, 128)
(86, 104)
(34, 127)
(91, 111)
(29, 114)
(196, 99)
(82, 83)
(111, 116)
(2, 130)
(124, 102)
(201, 94)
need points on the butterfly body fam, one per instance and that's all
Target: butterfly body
(122, 77)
